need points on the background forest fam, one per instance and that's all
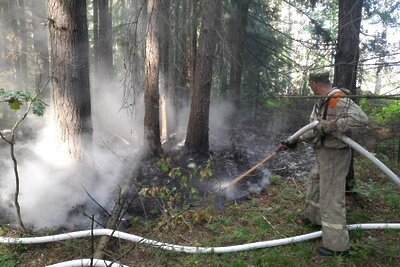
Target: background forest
(119, 113)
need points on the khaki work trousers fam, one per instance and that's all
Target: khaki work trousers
(326, 200)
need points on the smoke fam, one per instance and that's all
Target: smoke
(52, 184)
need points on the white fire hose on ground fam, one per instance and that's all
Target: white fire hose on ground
(203, 250)
(173, 247)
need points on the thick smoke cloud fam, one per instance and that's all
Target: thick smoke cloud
(51, 184)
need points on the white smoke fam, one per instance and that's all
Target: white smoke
(52, 184)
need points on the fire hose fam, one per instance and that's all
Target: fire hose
(173, 247)
(354, 145)
(204, 250)
(294, 137)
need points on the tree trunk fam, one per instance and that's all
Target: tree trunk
(96, 53)
(23, 35)
(70, 67)
(348, 51)
(197, 139)
(14, 45)
(105, 56)
(237, 41)
(3, 32)
(40, 45)
(164, 67)
(182, 58)
(152, 143)
(347, 55)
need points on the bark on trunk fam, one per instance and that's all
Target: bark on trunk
(105, 56)
(23, 55)
(164, 68)
(152, 143)
(40, 45)
(197, 138)
(347, 54)
(70, 68)
(14, 47)
(237, 40)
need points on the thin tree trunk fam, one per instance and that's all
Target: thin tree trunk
(164, 67)
(348, 51)
(14, 47)
(23, 55)
(152, 143)
(96, 50)
(4, 33)
(105, 56)
(347, 55)
(40, 45)
(197, 138)
(237, 41)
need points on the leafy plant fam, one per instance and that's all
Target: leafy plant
(389, 113)
(16, 98)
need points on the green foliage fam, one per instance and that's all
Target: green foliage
(389, 113)
(207, 170)
(6, 257)
(271, 103)
(164, 163)
(16, 98)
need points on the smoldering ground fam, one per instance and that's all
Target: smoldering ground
(52, 185)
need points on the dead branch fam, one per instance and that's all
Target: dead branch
(97, 203)
(112, 222)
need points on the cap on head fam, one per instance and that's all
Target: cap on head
(321, 76)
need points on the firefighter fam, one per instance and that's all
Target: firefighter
(325, 199)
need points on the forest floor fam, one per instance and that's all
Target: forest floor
(266, 205)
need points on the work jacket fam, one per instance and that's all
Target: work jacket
(346, 114)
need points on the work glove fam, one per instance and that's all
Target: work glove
(288, 144)
(326, 127)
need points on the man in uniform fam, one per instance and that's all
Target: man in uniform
(325, 200)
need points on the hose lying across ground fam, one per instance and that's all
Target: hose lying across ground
(204, 250)
(173, 247)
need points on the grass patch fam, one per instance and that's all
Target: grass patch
(274, 214)
(7, 258)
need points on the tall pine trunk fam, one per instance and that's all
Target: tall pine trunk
(197, 137)
(23, 35)
(165, 82)
(348, 51)
(152, 143)
(347, 55)
(40, 44)
(237, 42)
(70, 69)
(105, 56)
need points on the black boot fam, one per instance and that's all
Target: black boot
(323, 251)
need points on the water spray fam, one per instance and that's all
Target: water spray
(206, 250)
(243, 175)
(292, 138)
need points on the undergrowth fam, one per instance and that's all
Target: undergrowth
(275, 213)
